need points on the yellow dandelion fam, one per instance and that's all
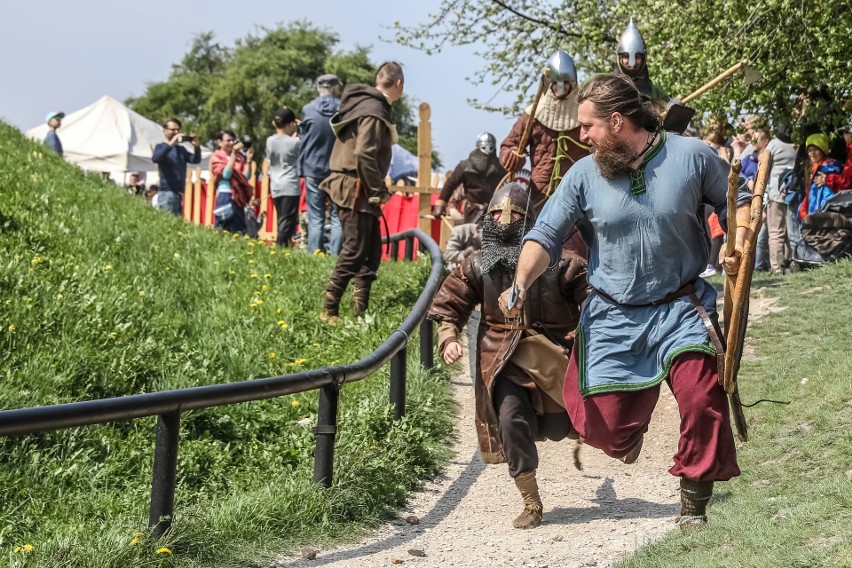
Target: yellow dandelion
(235, 236)
(258, 302)
(252, 244)
(27, 548)
(164, 551)
(271, 252)
(271, 355)
(167, 269)
(107, 267)
(12, 328)
(177, 255)
(251, 261)
(113, 335)
(264, 287)
(226, 232)
(254, 446)
(246, 237)
(231, 271)
(267, 275)
(252, 275)
(249, 252)
(286, 254)
(295, 404)
(37, 260)
(279, 310)
(180, 233)
(135, 540)
(141, 293)
(59, 296)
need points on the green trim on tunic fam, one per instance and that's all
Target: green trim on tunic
(629, 387)
(637, 176)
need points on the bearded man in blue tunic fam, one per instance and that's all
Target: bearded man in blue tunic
(637, 201)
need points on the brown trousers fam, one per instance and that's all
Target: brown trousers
(361, 253)
(520, 426)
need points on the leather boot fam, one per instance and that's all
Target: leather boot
(361, 299)
(330, 309)
(694, 496)
(634, 452)
(530, 517)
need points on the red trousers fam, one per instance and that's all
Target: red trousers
(614, 422)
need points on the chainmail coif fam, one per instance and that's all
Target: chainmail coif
(501, 244)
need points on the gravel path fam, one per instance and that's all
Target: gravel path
(592, 517)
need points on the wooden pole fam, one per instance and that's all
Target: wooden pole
(424, 166)
(196, 197)
(263, 233)
(730, 282)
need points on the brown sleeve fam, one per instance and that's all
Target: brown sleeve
(458, 296)
(453, 182)
(514, 138)
(371, 132)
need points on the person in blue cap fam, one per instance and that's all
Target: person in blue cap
(54, 121)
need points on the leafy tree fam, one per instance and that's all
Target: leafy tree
(796, 46)
(216, 87)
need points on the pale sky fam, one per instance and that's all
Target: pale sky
(65, 55)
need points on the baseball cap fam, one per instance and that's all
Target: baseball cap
(284, 116)
(54, 114)
(327, 80)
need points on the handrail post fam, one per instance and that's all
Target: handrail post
(397, 383)
(325, 433)
(394, 250)
(427, 348)
(409, 248)
(165, 473)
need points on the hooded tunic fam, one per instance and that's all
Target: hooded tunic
(362, 153)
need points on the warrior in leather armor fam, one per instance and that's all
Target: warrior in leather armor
(521, 361)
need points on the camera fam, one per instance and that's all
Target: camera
(185, 138)
(246, 140)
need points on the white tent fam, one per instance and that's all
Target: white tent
(106, 136)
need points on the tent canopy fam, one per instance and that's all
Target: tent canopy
(106, 136)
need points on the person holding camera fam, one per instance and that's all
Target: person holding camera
(359, 162)
(171, 158)
(233, 191)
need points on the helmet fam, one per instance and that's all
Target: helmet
(559, 69)
(511, 197)
(631, 43)
(486, 143)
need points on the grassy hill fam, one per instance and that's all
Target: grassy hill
(792, 505)
(102, 296)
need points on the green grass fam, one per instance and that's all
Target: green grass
(792, 506)
(102, 296)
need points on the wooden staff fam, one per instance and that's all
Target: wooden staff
(733, 185)
(525, 135)
(712, 83)
(737, 293)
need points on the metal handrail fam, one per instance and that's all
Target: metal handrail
(169, 404)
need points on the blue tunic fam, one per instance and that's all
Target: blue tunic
(641, 249)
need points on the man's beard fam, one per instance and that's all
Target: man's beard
(613, 156)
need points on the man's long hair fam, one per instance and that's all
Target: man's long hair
(617, 93)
